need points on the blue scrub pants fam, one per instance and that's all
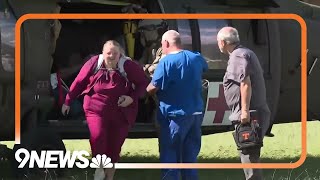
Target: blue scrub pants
(180, 142)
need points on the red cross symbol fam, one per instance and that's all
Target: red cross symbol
(219, 105)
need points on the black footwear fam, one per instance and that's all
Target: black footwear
(270, 134)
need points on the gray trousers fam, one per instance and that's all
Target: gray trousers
(253, 155)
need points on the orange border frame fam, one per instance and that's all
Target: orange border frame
(179, 16)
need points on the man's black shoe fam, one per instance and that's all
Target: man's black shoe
(270, 134)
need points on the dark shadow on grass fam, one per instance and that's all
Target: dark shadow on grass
(155, 159)
(310, 169)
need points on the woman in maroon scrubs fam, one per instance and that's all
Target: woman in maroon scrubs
(110, 101)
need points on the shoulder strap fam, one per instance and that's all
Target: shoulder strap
(122, 71)
(99, 64)
(121, 62)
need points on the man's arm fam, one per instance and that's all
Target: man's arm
(205, 65)
(159, 80)
(151, 89)
(245, 91)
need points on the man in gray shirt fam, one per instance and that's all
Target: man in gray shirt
(244, 90)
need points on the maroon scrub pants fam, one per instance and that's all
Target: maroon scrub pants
(108, 133)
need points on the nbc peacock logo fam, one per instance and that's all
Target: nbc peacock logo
(101, 161)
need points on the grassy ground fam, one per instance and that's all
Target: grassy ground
(284, 147)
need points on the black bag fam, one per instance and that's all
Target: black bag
(248, 136)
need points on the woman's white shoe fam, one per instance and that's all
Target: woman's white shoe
(99, 174)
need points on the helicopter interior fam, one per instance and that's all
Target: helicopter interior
(79, 40)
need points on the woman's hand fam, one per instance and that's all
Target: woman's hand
(65, 109)
(124, 101)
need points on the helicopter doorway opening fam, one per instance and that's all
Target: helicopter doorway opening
(81, 39)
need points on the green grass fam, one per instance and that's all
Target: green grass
(284, 147)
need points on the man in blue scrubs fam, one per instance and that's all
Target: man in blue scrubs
(177, 82)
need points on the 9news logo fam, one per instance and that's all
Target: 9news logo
(61, 159)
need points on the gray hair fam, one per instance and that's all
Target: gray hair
(229, 34)
(173, 37)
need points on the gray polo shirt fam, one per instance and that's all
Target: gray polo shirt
(242, 63)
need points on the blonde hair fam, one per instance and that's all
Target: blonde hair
(116, 44)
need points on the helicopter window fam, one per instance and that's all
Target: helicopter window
(185, 33)
(209, 45)
(7, 25)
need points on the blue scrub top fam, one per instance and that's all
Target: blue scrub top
(178, 78)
